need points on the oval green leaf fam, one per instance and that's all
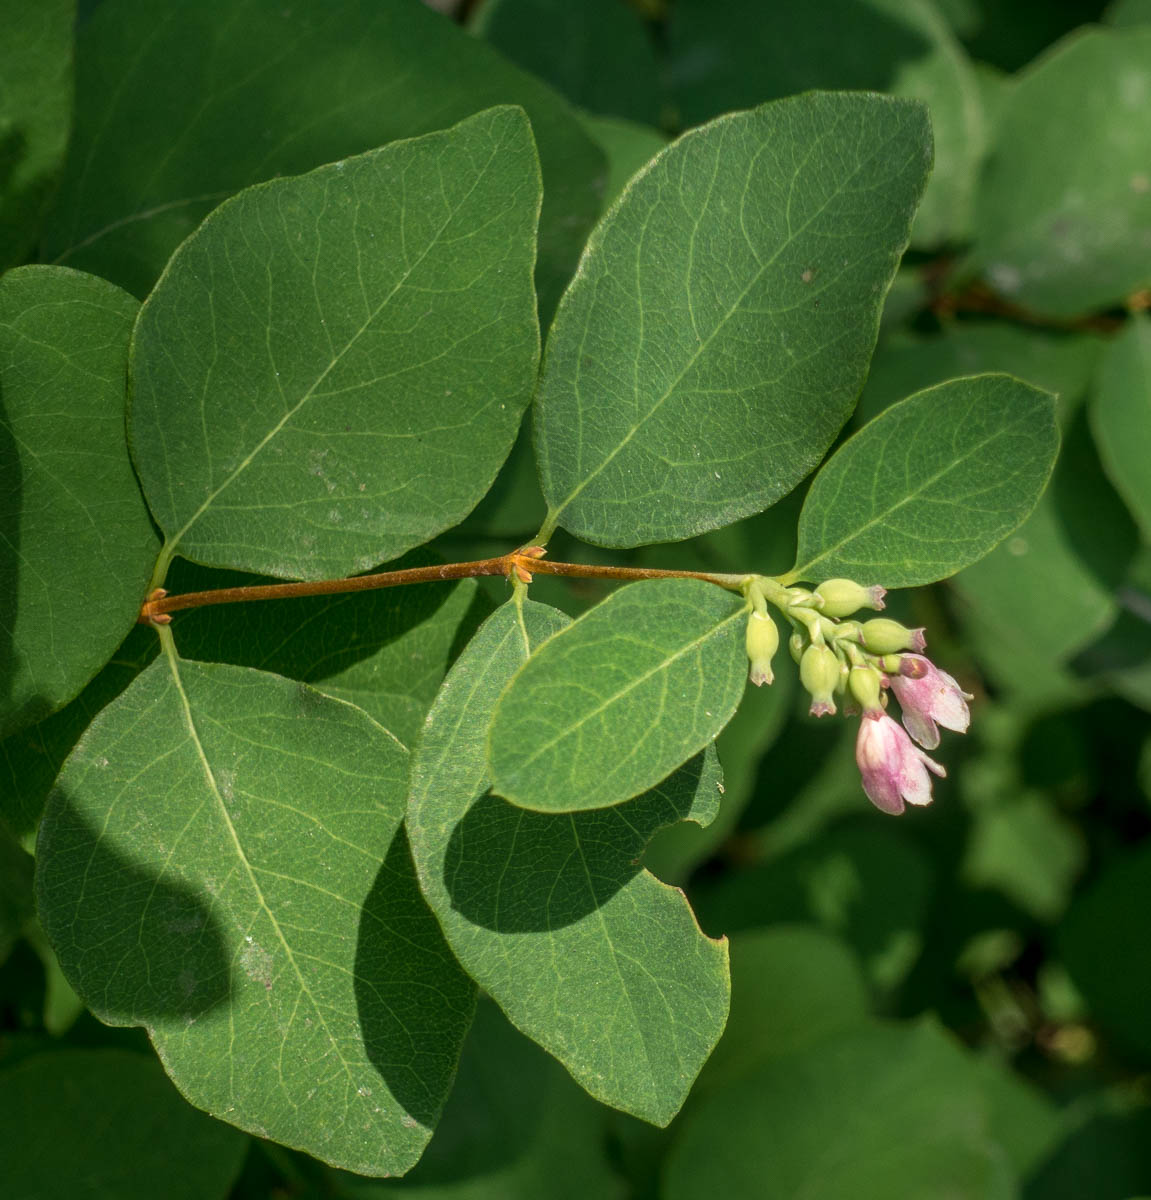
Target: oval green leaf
(589, 955)
(871, 1114)
(110, 1119)
(76, 544)
(333, 367)
(615, 702)
(931, 485)
(718, 330)
(739, 53)
(222, 862)
(176, 111)
(1071, 143)
(1121, 417)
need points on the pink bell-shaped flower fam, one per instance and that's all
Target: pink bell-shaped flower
(929, 698)
(893, 769)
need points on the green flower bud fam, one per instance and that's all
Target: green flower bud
(819, 674)
(795, 645)
(762, 643)
(865, 688)
(882, 636)
(842, 597)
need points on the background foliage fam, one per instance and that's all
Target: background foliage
(951, 1004)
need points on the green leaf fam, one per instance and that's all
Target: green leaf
(1064, 203)
(1105, 928)
(792, 987)
(16, 904)
(718, 330)
(1051, 586)
(614, 703)
(550, 913)
(35, 114)
(677, 850)
(1060, 363)
(222, 862)
(931, 485)
(872, 1114)
(514, 1128)
(628, 146)
(333, 367)
(31, 758)
(1121, 417)
(107, 1125)
(596, 53)
(76, 545)
(868, 885)
(174, 114)
(385, 651)
(743, 52)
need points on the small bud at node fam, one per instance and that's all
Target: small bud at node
(762, 643)
(819, 672)
(795, 645)
(865, 685)
(842, 597)
(882, 636)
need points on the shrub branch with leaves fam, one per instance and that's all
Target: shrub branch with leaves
(304, 815)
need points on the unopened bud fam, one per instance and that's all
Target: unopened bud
(795, 645)
(762, 643)
(819, 674)
(842, 597)
(865, 684)
(882, 636)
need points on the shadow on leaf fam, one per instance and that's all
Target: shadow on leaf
(414, 1001)
(516, 871)
(138, 948)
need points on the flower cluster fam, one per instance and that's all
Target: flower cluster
(860, 663)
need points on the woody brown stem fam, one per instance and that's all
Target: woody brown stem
(520, 563)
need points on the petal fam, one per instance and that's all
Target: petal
(916, 782)
(922, 728)
(883, 791)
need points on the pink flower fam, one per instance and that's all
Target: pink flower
(928, 695)
(893, 769)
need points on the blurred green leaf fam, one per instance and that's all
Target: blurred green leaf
(16, 904)
(35, 114)
(176, 111)
(514, 1128)
(1025, 1120)
(1062, 211)
(1103, 942)
(1121, 417)
(596, 53)
(615, 702)
(1108, 1157)
(550, 913)
(931, 485)
(1128, 12)
(1060, 363)
(107, 1125)
(627, 145)
(868, 885)
(222, 862)
(742, 52)
(76, 544)
(333, 367)
(727, 306)
(872, 1113)
(1051, 586)
(1021, 846)
(792, 987)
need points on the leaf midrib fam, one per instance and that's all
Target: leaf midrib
(433, 241)
(637, 682)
